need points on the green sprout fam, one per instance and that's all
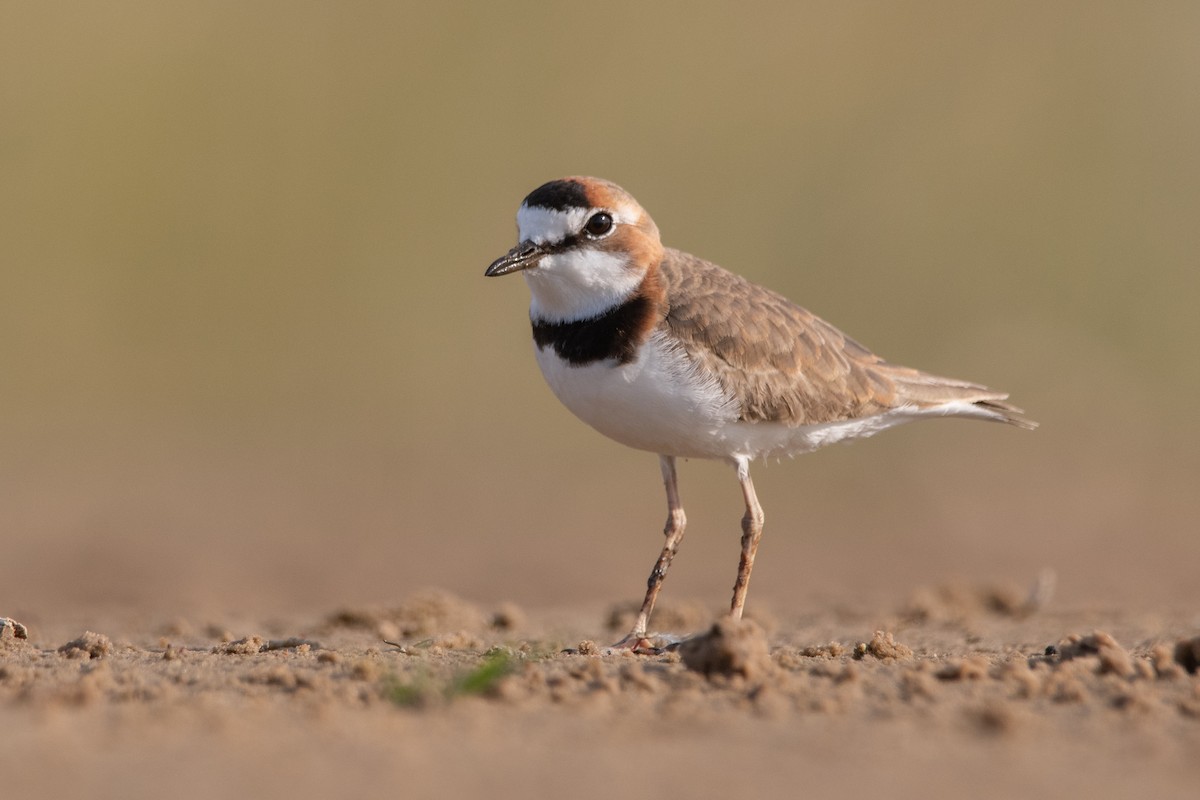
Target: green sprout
(479, 680)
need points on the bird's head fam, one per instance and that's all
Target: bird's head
(584, 245)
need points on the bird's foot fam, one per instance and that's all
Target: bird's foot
(653, 644)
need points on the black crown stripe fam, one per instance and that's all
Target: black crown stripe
(558, 195)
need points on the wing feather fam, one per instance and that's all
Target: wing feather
(782, 363)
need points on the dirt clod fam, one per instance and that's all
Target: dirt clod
(89, 645)
(884, 647)
(730, 647)
(11, 629)
(1109, 656)
(588, 648)
(241, 647)
(831, 650)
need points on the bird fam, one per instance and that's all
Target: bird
(665, 352)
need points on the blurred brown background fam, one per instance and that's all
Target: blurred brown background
(248, 359)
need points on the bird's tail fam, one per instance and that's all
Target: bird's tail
(955, 397)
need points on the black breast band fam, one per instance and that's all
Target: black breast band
(614, 334)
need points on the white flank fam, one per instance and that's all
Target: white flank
(774, 439)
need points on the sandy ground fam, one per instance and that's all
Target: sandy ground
(956, 691)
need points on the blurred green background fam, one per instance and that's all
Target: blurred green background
(248, 358)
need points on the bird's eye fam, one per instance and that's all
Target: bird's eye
(599, 224)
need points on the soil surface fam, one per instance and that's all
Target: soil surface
(957, 691)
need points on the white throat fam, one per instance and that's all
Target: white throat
(575, 284)
(579, 284)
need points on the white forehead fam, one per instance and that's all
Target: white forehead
(547, 225)
(541, 225)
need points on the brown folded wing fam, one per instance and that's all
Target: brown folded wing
(783, 363)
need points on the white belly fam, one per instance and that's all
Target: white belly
(657, 402)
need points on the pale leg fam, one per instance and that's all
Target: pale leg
(673, 530)
(752, 525)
